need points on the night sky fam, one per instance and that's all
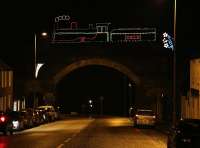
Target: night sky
(25, 18)
(20, 20)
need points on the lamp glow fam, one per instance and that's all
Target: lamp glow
(39, 65)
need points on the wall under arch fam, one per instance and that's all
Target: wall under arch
(96, 61)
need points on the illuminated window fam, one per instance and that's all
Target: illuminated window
(0, 78)
(6, 78)
(4, 103)
(15, 106)
(9, 101)
(10, 79)
(1, 103)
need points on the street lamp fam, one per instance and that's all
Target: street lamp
(37, 66)
(174, 68)
(130, 94)
(90, 107)
(90, 101)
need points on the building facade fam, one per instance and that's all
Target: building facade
(6, 87)
(191, 102)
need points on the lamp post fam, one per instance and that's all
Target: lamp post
(170, 42)
(37, 66)
(174, 120)
(130, 94)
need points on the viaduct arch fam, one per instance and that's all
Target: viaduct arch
(96, 61)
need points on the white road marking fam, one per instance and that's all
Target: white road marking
(60, 146)
(74, 134)
(67, 140)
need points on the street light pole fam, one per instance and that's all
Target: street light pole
(36, 66)
(35, 52)
(174, 116)
(174, 20)
(170, 42)
(130, 94)
(101, 105)
(35, 55)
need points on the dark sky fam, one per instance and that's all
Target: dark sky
(36, 14)
(25, 18)
(20, 20)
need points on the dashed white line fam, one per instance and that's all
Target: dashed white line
(60, 146)
(67, 140)
(74, 135)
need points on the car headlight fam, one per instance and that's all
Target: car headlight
(15, 124)
(44, 117)
(186, 140)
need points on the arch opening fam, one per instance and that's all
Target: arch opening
(96, 90)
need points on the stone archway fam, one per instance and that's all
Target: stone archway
(96, 61)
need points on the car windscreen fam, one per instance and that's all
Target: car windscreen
(145, 112)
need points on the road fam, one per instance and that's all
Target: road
(110, 132)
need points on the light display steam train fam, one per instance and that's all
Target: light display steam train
(67, 31)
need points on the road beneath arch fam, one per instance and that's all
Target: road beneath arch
(109, 132)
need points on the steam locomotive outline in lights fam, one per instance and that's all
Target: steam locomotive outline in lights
(67, 31)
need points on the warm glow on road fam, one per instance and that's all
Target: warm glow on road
(119, 122)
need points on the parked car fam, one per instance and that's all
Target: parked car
(28, 116)
(11, 121)
(5, 123)
(51, 114)
(144, 117)
(18, 120)
(185, 134)
(39, 117)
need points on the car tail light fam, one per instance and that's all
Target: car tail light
(2, 119)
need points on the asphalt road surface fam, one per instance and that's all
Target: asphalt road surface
(110, 132)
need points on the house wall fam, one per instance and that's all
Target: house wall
(6, 90)
(190, 106)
